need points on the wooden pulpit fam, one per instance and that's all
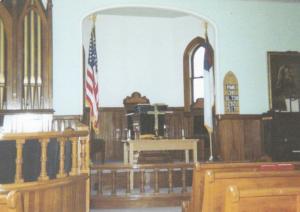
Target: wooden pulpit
(146, 119)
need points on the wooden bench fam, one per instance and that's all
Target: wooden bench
(65, 194)
(195, 204)
(10, 201)
(216, 183)
(270, 199)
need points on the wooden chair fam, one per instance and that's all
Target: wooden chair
(195, 204)
(270, 199)
(136, 98)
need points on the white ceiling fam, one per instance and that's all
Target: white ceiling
(162, 13)
(143, 12)
(295, 1)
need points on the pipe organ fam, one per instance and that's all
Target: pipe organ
(25, 55)
(2, 64)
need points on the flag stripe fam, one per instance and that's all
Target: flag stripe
(91, 81)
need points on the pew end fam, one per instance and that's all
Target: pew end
(11, 201)
(270, 199)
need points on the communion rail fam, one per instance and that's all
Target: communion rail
(154, 185)
(66, 190)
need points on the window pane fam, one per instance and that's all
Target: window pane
(198, 62)
(198, 89)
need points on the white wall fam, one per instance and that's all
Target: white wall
(244, 31)
(141, 54)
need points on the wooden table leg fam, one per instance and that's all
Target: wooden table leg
(131, 163)
(187, 156)
(195, 153)
(125, 153)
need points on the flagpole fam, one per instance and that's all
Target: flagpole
(211, 157)
(209, 129)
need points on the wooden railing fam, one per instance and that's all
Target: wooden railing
(153, 185)
(79, 140)
(46, 191)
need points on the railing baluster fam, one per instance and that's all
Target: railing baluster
(74, 170)
(62, 172)
(183, 180)
(84, 154)
(99, 182)
(156, 187)
(170, 176)
(113, 182)
(19, 161)
(142, 183)
(128, 182)
(158, 171)
(44, 143)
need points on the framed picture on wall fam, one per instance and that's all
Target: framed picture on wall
(284, 81)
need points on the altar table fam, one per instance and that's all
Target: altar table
(132, 146)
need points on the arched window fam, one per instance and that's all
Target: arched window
(193, 73)
(196, 74)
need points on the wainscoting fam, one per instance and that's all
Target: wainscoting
(237, 137)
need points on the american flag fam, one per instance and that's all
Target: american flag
(91, 81)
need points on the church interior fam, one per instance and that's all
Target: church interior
(134, 105)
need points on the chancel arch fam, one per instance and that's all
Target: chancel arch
(142, 49)
(139, 43)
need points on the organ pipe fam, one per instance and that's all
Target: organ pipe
(26, 82)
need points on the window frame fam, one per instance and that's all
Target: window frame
(189, 52)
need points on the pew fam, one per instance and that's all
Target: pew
(216, 183)
(195, 204)
(10, 201)
(65, 194)
(271, 199)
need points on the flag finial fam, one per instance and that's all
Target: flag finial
(93, 18)
(205, 28)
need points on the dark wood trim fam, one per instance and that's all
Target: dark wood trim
(40, 111)
(239, 137)
(238, 116)
(67, 117)
(110, 109)
(138, 201)
(122, 109)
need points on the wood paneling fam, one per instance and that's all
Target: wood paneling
(239, 137)
(113, 123)
(112, 126)
(66, 195)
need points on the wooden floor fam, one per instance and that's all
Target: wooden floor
(166, 209)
